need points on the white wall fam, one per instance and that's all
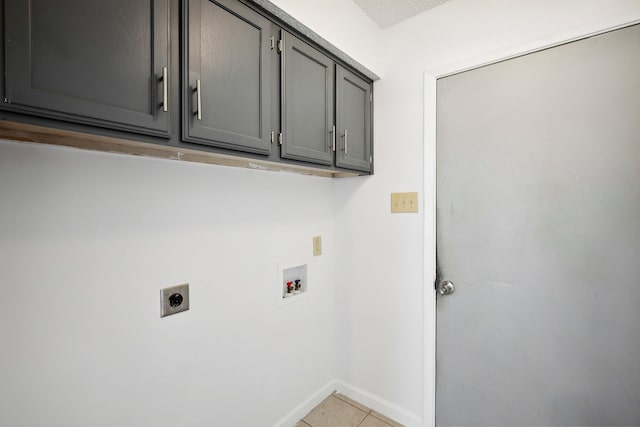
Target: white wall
(343, 24)
(88, 239)
(386, 269)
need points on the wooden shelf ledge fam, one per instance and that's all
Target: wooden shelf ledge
(23, 132)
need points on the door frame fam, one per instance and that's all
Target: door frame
(429, 169)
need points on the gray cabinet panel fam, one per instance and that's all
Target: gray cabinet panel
(82, 65)
(89, 61)
(353, 121)
(308, 88)
(229, 54)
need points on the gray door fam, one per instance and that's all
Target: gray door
(538, 228)
(307, 94)
(89, 61)
(353, 121)
(227, 76)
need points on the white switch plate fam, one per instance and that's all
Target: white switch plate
(317, 246)
(404, 202)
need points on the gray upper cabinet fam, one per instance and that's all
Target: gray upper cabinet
(353, 121)
(96, 62)
(308, 102)
(227, 76)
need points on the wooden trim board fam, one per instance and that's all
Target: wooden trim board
(23, 132)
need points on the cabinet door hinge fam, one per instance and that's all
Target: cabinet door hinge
(280, 138)
(273, 42)
(370, 160)
(370, 97)
(273, 137)
(280, 46)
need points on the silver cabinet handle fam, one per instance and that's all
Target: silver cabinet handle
(198, 101)
(333, 138)
(345, 141)
(165, 89)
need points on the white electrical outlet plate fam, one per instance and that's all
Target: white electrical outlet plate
(174, 300)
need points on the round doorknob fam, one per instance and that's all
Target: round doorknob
(446, 288)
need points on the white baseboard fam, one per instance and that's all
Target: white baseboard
(296, 414)
(378, 404)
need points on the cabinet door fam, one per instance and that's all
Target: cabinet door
(90, 61)
(307, 118)
(227, 85)
(353, 121)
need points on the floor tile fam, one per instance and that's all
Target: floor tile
(334, 412)
(351, 401)
(301, 423)
(385, 419)
(372, 421)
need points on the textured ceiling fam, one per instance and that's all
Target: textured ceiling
(386, 13)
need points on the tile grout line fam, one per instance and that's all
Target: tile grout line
(372, 415)
(367, 412)
(380, 419)
(390, 421)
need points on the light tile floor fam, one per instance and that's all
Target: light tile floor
(338, 410)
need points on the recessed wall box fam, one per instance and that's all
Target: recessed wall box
(293, 281)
